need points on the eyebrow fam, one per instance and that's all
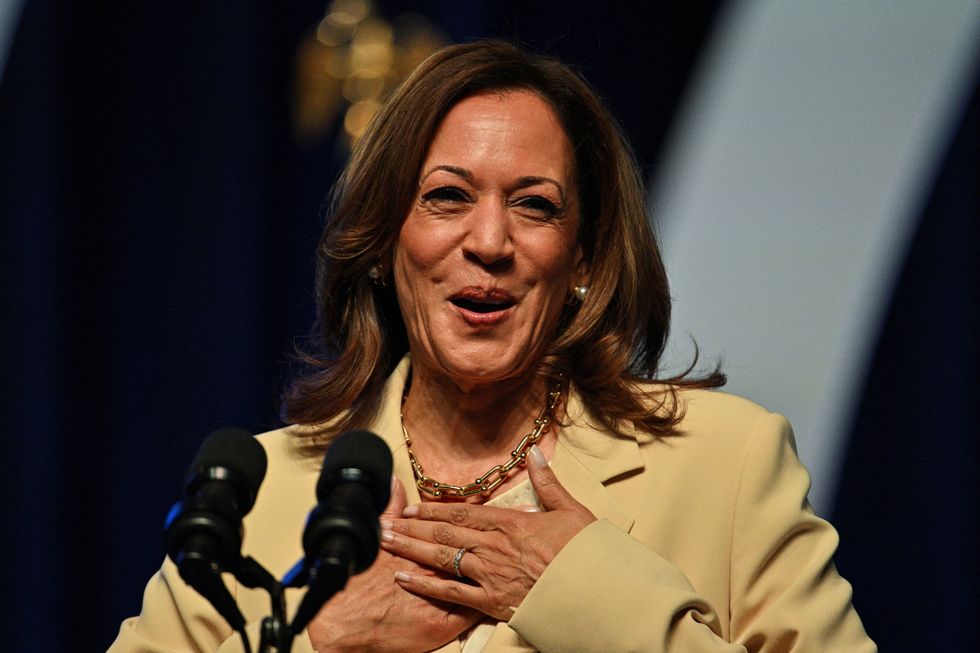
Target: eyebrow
(523, 182)
(456, 170)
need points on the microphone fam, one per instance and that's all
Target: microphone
(204, 529)
(342, 533)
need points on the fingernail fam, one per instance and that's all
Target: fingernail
(402, 577)
(411, 511)
(387, 524)
(394, 484)
(537, 457)
(532, 509)
(387, 536)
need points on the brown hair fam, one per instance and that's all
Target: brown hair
(615, 337)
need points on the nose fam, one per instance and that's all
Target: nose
(488, 238)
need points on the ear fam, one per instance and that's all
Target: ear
(581, 268)
(387, 260)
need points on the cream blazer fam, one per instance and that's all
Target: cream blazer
(704, 542)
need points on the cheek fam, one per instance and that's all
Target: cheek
(411, 260)
(422, 247)
(409, 289)
(554, 262)
(421, 261)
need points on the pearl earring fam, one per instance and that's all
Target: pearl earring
(580, 292)
(377, 274)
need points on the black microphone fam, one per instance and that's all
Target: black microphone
(342, 533)
(204, 529)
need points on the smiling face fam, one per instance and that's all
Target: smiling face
(488, 252)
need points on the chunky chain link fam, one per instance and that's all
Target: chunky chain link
(497, 474)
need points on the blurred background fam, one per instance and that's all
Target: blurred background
(163, 167)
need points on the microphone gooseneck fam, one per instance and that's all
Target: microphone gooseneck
(203, 529)
(342, 534)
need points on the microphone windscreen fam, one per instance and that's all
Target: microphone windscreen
(239, 451)
(360, 450)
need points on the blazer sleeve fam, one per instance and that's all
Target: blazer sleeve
(176, 619)
(607, 591)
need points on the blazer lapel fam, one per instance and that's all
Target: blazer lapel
(587, 459)
(388, 424)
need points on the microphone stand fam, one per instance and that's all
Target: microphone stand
(275, 635)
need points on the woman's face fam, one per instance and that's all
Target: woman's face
(488, 253)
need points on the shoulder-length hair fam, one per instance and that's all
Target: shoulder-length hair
(615, 336)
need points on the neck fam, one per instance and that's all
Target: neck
(458, 435)
(475, 421)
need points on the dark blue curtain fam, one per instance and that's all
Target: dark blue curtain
(157, 262)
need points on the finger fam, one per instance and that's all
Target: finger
(481, 518)
(434, 532)
(441, 589)
(441, 557)
(527, 509)
(451, 591)
(549, 489)
(397, 502)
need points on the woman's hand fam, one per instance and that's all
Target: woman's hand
(374, 613)
(506, 550)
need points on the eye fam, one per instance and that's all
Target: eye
(538, 205)
(445, 194)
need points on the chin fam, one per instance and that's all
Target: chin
(477, 368)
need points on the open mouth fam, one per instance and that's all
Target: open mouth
(476, 301)
(482, 305)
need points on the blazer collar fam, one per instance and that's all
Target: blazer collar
(388, 424)
(586, 458)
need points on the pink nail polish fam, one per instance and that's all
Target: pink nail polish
(402, 577)
(537, 457)
(411, 511)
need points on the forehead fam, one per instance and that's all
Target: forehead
(514, 129)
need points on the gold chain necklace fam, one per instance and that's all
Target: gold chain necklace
(497, 474)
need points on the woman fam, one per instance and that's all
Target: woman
(489, 271)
